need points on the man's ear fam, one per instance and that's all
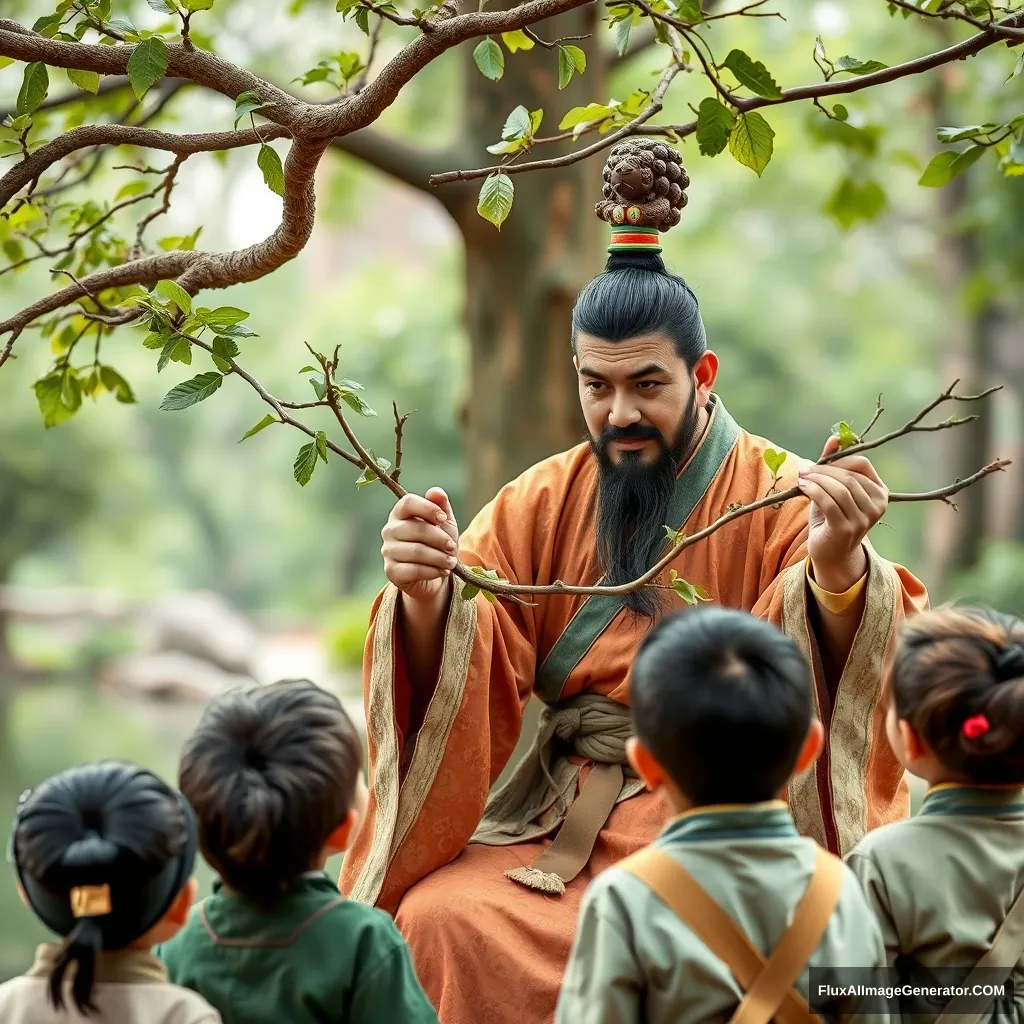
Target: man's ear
(705, 372)
(178, 914)
(913, 745)
(645, 765)
(814, 743)
(342, 836)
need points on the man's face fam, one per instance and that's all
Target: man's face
(634, 394)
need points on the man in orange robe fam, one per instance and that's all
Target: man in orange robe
(486, 887)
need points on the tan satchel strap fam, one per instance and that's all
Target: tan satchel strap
(994, 967)
(683, 894)
(798, 943)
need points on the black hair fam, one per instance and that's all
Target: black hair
(954, 664)
(723, 702)
(112, 828)
(271, 772)
(636, 295)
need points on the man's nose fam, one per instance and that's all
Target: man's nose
(623, 412)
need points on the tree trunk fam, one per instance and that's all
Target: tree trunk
(521, 282)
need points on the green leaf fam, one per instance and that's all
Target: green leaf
(536, 119)
(154, 341)
(944, 167)
(854, 200)
(49, 394)
(689, 11)
(223, 350)
(674, 536)
(853, 66)
(753, 74)
(489, 58)
(516, 41)
(221, 317)
(571, 60)
(270, 164)
(321, 445)
(774, 460)
(517, 124)
(690, 593)
(184, 242)
(969, 132)
(319, 388)
(236, 331)
(585, 115)
(190, 392)
(197, 5)
(116, 385)
(88, 81)
(34, 84)
(349, 65)
(351, 399)
(840, 112)
(714, 125)
(620, 33)
(305, 463)
(362, 19)
(1017, 68)
(495, 201)
(847, 438)
(469, 591)
(162, 6)
(368, 476)
(147, 65)
(265, 422)
(131, 189)
(246, 103)
(173, 292)
(5, 62)
(750, 141)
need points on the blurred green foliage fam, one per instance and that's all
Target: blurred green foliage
(345, 632)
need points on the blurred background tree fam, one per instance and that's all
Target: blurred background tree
(827, 279)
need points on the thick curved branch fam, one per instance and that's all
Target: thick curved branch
(126, 135)
(197, 66)
(960, 51)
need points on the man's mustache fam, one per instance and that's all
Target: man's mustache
(636, 432)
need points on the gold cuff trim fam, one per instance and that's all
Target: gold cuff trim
(836, 604)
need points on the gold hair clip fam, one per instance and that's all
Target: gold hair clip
(90, 900)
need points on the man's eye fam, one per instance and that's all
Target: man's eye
(649, 385)
(595, 385)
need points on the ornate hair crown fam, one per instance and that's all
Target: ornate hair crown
(644, 193)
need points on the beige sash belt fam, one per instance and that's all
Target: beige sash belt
(540, 797)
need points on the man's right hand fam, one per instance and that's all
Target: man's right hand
(421, 544)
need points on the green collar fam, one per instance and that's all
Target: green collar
(951, 799)
(770, 820)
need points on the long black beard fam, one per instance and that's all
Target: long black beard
(633, 501)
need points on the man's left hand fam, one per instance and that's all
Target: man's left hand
(847, 499)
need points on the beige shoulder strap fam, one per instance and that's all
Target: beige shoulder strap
(768, 984)
(995, 966)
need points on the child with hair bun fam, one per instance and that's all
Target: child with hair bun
(104, 856)
(948, 884)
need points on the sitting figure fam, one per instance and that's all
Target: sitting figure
(728, 908)
(104, 856)
(948, 884)
(274, 776)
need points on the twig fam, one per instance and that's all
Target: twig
(363, 77)
(399, 427)
(554, 43)
(874, 419)
(746, 12)
(6, 353)
(946, 13)
(167, 186)
(657, 102)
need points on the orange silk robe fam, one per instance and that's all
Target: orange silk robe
(487, 950)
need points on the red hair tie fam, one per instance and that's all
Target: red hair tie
(975, 726)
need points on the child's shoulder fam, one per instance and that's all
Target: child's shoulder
(898, 840)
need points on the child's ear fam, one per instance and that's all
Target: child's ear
(645, 765)
(342, 836)
(913, 745)
(22, 894)
(178, 914)
(814, 743)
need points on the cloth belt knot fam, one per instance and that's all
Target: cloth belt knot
(540, 799)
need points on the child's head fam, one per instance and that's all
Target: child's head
(104, 854)
(957, 697)
(273, 774)
(722, 709)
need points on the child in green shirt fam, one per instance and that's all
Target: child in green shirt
(274, 777)
(948, 884)
(723, 715)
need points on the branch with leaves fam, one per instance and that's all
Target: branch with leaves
(174, 327)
